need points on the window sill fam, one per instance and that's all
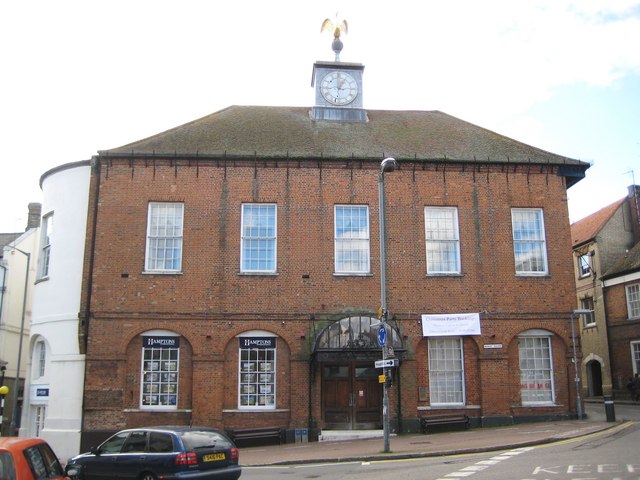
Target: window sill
(254, 410)
(448, 407)
(157, 409)
(450, 275)
(354, 274)
(41, 279)
(537, 405)
(258, 274)
(533, 275)
(161, 272)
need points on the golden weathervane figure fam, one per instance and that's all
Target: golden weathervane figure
(336, 27)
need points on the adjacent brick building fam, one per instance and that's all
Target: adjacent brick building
(232, 271)
(604, 261)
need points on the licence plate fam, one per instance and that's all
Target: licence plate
(212, 457)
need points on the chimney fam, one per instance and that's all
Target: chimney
(35, 212)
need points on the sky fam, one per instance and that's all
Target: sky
(78, 76)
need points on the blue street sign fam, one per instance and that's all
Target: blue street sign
(382, 336)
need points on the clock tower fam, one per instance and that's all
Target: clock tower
(338, 88)
(338, 85)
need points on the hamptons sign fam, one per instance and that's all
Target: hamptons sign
(451, 324)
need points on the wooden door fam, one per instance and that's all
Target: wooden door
(351, 397)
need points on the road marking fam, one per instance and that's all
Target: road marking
(484, 464)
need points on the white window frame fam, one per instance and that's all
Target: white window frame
(632, 293)
(536, 368)
(40, 359)
(45, 245)
(529, 245)
(159, 370)
(259, 235)
(351, 240)
(446, 366)
(257, 379)
(442, 240)
(38, 418)
(635, 357)
(584, 265)
(165, 227)
(588, 319)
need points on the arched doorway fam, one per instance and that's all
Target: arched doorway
(594, 378)
(345, 353)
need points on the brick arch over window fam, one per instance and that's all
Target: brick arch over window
(289, 383)
(528, 352)
(472, 371)
(134, 372)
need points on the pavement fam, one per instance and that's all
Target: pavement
(475, 440)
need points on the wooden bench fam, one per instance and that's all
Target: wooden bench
(427, 422)
(250, 434)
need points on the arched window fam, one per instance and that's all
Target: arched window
(355, 333)
(257, 370)
(536, 367)
(160, 370)
(39, 359)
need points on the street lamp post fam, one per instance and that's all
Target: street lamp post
(14, 403)
(574, 315)
(387, 165)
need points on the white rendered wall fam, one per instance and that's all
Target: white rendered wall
(12, 311)
(56, 304)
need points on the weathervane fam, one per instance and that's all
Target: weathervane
(336, 27)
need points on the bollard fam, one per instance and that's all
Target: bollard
(609, 408)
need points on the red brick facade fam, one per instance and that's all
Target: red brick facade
(211, 302)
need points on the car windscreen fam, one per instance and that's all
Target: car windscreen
(42, 461)
(195, 439)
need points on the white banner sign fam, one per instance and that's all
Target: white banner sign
(453, 324)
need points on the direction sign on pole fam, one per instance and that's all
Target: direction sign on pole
(388, 363)
(382, 336)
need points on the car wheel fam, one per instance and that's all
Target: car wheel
(148, 476)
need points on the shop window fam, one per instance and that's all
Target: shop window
(160, 372)
(536, 368)
(257, 372)
(446, 371)
(635, 357)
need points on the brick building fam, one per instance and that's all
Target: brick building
(231, 275)
(621, 285)
(600, 245)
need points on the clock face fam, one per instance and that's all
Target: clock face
(339, 88)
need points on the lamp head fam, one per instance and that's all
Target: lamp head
(388, 165)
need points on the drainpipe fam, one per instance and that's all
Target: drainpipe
(84, 315)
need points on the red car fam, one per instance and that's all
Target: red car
(28, 459)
